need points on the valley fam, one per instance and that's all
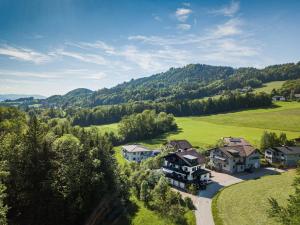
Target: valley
(204, 131)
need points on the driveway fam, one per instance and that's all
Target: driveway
(203, 201)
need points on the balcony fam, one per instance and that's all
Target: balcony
(179, 170)
(176, 177)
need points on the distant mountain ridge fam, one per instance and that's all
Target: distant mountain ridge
(192, 81)
(4, 97)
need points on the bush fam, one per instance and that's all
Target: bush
(189, 203)
(192, 189)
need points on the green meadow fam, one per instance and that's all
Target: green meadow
(268, 87)
(247, 202)
(204, 131)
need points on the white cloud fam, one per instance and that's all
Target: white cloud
(157, 18)
(231, 27)
(187, 4)
(97, 45)
(54, 75)
(89, 58)
(23, 54)
(182, 14)
(229, 10)
(226, 43)
(184, 26)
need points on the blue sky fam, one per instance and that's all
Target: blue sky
(51, 47)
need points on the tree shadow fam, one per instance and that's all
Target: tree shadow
(127, 215)
(161, 139)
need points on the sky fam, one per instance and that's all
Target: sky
(52, 47)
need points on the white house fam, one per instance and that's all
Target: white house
(137, 153)
(278, 98)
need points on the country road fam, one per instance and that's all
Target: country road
(203, 201)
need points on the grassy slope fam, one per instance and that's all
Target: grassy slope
(247, 203)
(204, 131)
(268, 87)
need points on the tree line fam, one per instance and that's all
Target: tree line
(271, 139)
(229, 102)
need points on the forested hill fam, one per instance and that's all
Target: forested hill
(75, 97)
(189, 82)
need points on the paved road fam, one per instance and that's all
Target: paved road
(203, 200)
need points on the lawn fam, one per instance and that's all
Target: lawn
(144, 216)
(247, 202)
(268, 87)
(204, 131)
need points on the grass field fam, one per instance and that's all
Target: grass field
(247, 202)
(268, 87)
(204, 131)
(145, 216)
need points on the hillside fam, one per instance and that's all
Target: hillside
(193, 81)
(74, 97)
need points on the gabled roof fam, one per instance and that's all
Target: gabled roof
(135, 148)
(234, 151)
(180, 144)
(188, 156)
(287, 150)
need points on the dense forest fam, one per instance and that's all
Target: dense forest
(189, 82)
(54, 173)
(111, 114)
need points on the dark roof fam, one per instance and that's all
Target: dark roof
(190, 153)
(288, 150)
(201, 172)
(180, 144)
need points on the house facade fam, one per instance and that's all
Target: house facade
(183, 168)
(284, 155)
(237, 155)
(278, 98)
(137, 153)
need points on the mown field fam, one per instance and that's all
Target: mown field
(204, 131)
(247, 202)
(268, 87)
